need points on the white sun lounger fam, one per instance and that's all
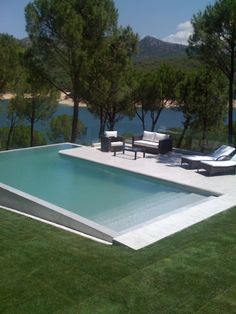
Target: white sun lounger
(219, 166)
(222, 152)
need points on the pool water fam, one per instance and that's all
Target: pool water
(114, 198)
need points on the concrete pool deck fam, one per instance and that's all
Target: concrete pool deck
(166, 167)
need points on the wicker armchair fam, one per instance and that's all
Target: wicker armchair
(112, 143)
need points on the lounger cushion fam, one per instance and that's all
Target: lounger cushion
(233, 158)
(148, 136)
(116, 143)
(159, 136)
(198, 158)
(110, 133)
(221, 163)
(223, 150)
(146, 144)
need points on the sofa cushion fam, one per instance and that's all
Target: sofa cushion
(148, 136)
(159, 136)
(118, 143)
(110, 133)
(146, 144)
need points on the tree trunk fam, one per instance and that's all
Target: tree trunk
(231, 96)
(153, 126)
(204, 137)
(141, 117)
(9, 137)
(101, 129)
(32, 120)
(186, 126)
(103, 120)
(152, 119)
(155, 119)
(111, 125)
(31, 133)
(111, 116)
(74, 130)
(10, 133)
(230, 112)
(143, 125)
(143, 121)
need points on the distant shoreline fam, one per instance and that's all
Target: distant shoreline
(65, 100)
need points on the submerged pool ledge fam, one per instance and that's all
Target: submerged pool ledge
(138, 166)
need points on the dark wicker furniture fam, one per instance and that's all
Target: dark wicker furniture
(192, 164)
(135, 150)
(219, 167)
(117, 148)
(111, 144)
(222, 153)
(164, 145)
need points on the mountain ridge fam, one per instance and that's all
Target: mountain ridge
(151, 48)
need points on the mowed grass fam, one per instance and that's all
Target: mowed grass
(47, 270)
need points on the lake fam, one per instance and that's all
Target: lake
(169, 118)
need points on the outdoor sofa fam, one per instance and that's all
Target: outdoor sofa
(193, 161)
(110, 141)
(220, 166)
(153, 142)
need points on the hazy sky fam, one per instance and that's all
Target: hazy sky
(164, 19)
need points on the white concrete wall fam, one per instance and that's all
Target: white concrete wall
(20, 201)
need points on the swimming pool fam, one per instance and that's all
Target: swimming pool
(100, 197)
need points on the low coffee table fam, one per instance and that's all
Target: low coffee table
(135, 150)
(118, 148)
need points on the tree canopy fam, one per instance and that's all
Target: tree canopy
(10, 52)
(60, 128)
(154, 91)
(214, 41)
(201, 95)
(109, 85)
(66, 37)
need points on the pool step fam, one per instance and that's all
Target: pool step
(132, 219)
(151, 212)
(130, 207)
(181, 209)
(138, 212)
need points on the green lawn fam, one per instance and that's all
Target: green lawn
(47, 270)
